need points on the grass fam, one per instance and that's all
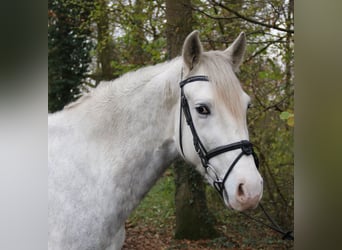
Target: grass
(158, 207)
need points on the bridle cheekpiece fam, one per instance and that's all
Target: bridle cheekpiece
(205, 156)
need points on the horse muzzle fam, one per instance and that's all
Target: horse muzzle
(245, 195)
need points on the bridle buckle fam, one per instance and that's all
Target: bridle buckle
(247, 148)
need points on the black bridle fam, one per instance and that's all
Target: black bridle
(205, 156)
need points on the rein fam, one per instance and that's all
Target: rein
(205, 156)
(287, 235)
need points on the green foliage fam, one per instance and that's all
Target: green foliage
(137, 32)
(69, 46)
(287, 116)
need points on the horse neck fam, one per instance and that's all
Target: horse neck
(139, 102)
(135, 128)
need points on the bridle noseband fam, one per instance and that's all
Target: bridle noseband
(205, 156)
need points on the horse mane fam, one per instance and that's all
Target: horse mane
(130, 82)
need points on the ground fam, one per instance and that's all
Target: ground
(144, 237)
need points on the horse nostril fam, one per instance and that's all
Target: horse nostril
(240, 191)
(247, 195)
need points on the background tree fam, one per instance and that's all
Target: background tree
(105, 47)
(193, 220)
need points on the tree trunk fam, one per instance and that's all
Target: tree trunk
(193, 220)
(105, 42)
(139, 55)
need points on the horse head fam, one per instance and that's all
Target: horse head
(212, 131)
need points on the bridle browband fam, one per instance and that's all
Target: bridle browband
(205, 156)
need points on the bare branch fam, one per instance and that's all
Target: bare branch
(264, 48)
(212, 17)
(251, 20)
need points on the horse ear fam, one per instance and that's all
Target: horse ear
(236, 51)
(192, 50)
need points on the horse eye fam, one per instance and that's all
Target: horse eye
(250, 105)
(203, 110)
